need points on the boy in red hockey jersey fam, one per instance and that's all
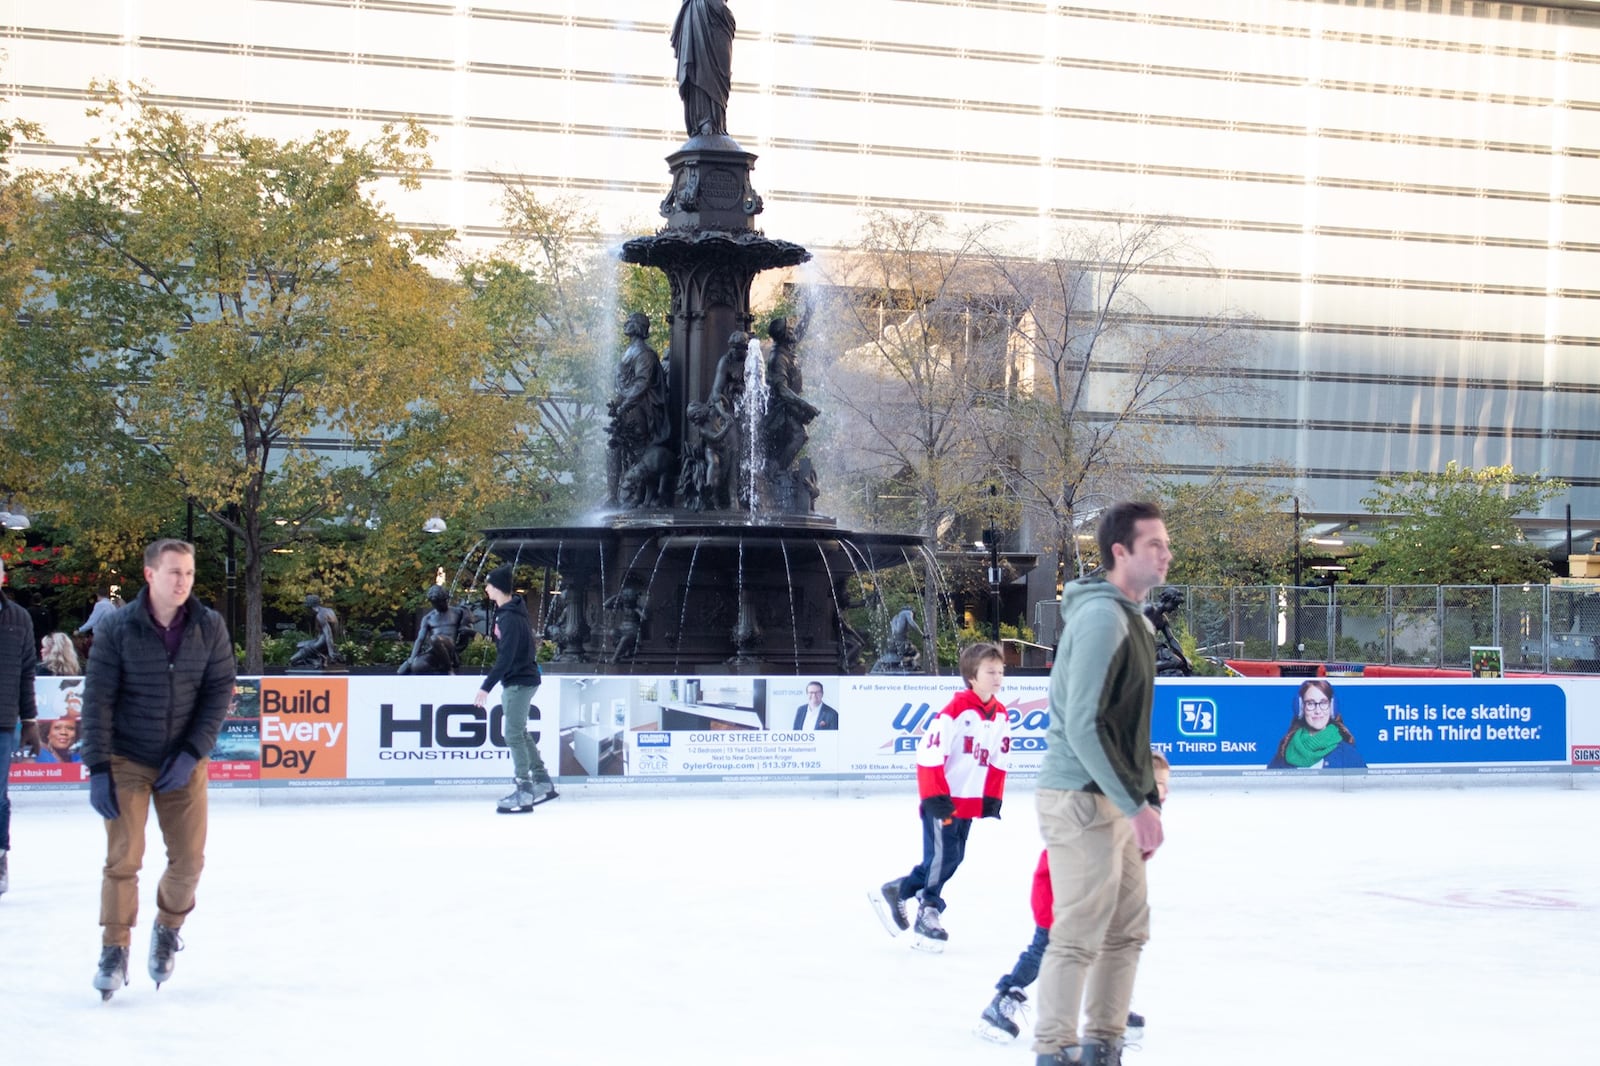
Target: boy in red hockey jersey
(961, 775)
(998, 1021)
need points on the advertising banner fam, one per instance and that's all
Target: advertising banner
(60, 704)
(1412, 724)
(426, 729)
(319, 730)
(886, 717)
(236, 757)
(304, 721)
(768, 728)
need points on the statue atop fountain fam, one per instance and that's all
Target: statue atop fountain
(702, 37)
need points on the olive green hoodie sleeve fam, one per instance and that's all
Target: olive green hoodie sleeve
(1100, 691)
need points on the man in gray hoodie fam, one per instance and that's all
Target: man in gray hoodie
(1098, 809)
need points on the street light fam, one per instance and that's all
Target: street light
(1299, 648)
(14, 519)
(991, 539)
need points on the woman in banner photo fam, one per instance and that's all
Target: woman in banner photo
(60, 741)
(1317, 738)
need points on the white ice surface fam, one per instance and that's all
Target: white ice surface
(1315, 927)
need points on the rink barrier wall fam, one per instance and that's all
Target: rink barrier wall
(320, 731)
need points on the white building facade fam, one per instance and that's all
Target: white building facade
(1404, 194)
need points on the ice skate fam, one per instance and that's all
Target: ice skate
(1135, 1030)
(164, 944)
(113, 972)
(544, 791)
(930, 932)
(1089, 1053)
(520, 801)
(890, 908)
(998, 1022)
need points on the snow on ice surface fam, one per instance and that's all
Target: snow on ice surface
(1292, 925)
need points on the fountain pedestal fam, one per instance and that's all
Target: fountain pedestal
(710, 251)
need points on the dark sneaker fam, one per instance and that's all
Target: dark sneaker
(999, 1017)
(164, 944)
(113, 972)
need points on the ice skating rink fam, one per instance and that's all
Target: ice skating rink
(1314, 926)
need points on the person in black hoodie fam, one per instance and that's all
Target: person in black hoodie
(157, 687)
(517, 668)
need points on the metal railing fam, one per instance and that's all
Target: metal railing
(1540, 628)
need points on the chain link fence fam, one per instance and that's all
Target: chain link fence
(1540, 628)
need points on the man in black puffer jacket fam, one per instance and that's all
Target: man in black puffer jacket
(18, 656)
(158, 685)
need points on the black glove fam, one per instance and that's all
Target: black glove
(991, 806)
(939, 808)
(29, 740)
(103, 796)
(176, 770)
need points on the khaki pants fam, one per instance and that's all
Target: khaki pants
(181, 814)
(1099, 924)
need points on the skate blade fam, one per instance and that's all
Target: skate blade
(107, 993)
(885, 913)
(928, 944)
(515, 810)
(992, 1035)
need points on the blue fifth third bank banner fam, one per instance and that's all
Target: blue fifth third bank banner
(1284, 724)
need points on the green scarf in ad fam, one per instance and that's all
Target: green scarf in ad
(1307, 748)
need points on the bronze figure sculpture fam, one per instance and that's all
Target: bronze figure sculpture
(638, 461)
(441, 634)
(319, 652)
(702, 37)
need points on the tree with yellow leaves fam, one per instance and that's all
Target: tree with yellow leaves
(220, 317)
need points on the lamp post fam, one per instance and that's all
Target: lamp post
(1297, 644)
(991, 540)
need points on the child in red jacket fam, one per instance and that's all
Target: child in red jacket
(960, 776)
(998, 1021)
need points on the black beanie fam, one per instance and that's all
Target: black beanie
(500, 577)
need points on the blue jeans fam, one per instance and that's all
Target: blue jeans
(8, 744)
(1026, 970)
